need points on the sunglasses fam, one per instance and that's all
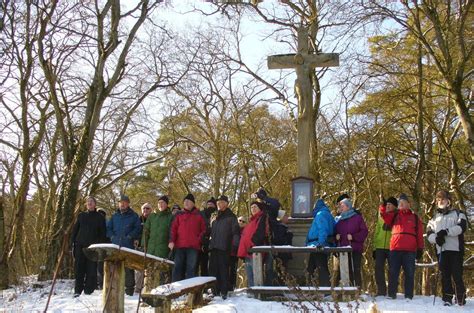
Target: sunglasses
(241, 221)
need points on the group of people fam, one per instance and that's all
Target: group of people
(398, 241)
(210, 241)
(200, 242)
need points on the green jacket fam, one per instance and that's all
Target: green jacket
(156, 232)
(381, 236)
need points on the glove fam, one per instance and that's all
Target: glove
(442, 233)
(440, 241)
(419, 254)
(373, 254)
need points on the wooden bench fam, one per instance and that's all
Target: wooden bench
(115, 260)
(303, 291)
(160, 297)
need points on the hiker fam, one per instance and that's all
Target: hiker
(88, 229)
(351, 230)
(446, 229)
(381, 251)
(406, 245)
(320, 235)
(187, 230)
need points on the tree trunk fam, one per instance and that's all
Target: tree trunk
(4, 273)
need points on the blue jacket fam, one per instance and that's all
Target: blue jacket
(322, 226)
(124, 228)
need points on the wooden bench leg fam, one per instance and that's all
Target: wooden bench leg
(165, 307)
(114, 286)
(195, 299)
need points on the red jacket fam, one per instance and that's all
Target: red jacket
(406, 236)
(246, 241)
(188, 229)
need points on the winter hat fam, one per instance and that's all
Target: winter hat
(347, 202)
(403, 196)
(281, 213)
(342, 197)
(190, 197)
(164, 198)
(443, 194)
(212, 200)
(259, 204)
(124, 198)
(393, 201)
(223, 198)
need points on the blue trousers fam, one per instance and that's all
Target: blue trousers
(185, 262)
(405, 260)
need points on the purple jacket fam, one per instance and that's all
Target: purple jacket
(355, 226)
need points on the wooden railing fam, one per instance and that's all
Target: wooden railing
(258, 259)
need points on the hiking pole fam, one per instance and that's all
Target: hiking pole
(437, 274)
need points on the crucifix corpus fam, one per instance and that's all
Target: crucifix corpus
(304, 63)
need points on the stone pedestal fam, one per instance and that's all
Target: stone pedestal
(297, 266)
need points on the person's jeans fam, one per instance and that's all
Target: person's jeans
(219, 268)
(269, 272)
(249, 271)
(129, 281)
(406, 260)
(185, 261)
(381, 257)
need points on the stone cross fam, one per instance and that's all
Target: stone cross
(304, 63)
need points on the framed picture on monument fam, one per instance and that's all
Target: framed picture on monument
(302, 197)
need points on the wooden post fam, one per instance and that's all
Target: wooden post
(114, 286)
(257, 263)
(344, 269)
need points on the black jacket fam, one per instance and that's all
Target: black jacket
(225, 231)
(89, 229)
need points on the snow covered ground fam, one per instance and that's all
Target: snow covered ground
(31, 298)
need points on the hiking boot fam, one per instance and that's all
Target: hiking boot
(76, 295)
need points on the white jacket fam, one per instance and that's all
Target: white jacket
(455, 223)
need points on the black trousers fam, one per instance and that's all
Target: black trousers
(381, 257)
(319, 262)
(203, 264)
(129, 281)
(219, 267)
(85, 272)
(355, 274)
(450, 265)
(233, 272)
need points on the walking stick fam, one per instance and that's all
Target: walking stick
(437, 274)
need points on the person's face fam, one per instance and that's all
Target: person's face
(284, 219)
(211, 205)
(162, 205)
(222, 205)
(254, 209)
(241, 223)
(343, 207)
(123, 205)
(442, 202)
(403, 204)
(174, 211)
(90, 204)
(390, 207)
(146, 211)
(188, 204)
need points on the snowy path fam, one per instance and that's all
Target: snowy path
(29, 299)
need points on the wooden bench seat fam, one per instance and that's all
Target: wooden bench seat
(160, 297)
(304, 291)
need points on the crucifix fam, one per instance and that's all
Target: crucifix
(304, 63)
